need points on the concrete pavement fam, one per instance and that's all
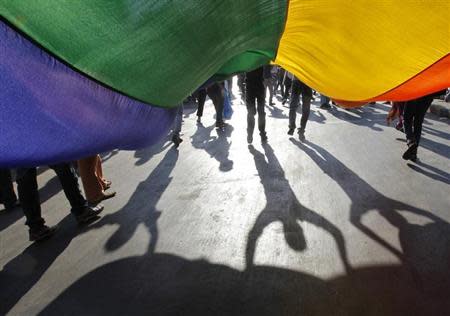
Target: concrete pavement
(336, 225)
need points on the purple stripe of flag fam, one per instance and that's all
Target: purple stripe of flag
(50, 113)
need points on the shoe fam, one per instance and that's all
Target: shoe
(42, 232)
(220, 125)
(291, 131)
(104, 196)
(264, 138)
(325, 106)
(249, 138)
(301, 135)
(177, 140)
(199, 119)
(271, 102)
(411, 151)
(89, 214)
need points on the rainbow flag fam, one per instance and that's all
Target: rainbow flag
(82, 77)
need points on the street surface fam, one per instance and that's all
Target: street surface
(336, 225)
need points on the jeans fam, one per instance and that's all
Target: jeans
(413, 116)
(216, 94)
(298, 88)
(29, 196)
(7, 195)
(178, 121)
(255, 101)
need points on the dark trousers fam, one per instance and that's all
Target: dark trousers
(7, 196)
(216, 94)
(29, 196)
(413, 116)
(255, 101)
(298, 88)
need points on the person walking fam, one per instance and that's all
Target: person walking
(216, 93)
(255, 102)
(298, 88)
(94, 184)
(413, 116)
(27, 188)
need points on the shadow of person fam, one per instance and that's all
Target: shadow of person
(218, 147)
(7, 218)
(432, 172)
(141, 207)
(365, 198)
(276, 112)
(144, 155)
(283, 206)
(164, 284)
(20, 274)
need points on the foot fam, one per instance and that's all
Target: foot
(411, 152)
(271, 102)
(325, 106)
(249, 138)
(199, 119)
(106, 184)
(291, 131)
(177, 140)
(220, 125)
(301, 135)
(89, 214)
(264, 138)
(103, 197)
(42, 232)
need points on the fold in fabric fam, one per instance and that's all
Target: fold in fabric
(50, 113)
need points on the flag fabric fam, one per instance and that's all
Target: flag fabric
(82, 77)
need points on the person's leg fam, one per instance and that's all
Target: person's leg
(83, 213)
(293, 105)
(251, 112)
(201, 97)
(271, 90)
(29, 198)
(27, 189)
(306, 105)
(216, 94)
(324, 101)
(93, 187)
(261, 115)
(7, 194)
(176, 139)
(422, 105)
(408, 117)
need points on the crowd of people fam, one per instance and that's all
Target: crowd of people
(253, 86)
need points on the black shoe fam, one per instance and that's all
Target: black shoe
(199, 119)
(177, 140)
(89, 214)
(220, 125)
(325, 106)
(264, 138)
(42, 232)
(301, 135)
(249, 138)
(291, 131)
(411, 152)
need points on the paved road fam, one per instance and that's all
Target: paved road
(336, 225)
